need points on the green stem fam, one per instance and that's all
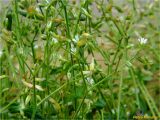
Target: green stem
(71, 56)
(136, 87)
(134, 5)
(119, 97)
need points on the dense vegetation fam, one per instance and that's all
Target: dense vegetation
(86, 59)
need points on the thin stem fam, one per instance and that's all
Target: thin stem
(40, 8)
(70, 45)
(134, 5)
(136, 87)
(119, 97)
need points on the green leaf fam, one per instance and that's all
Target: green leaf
(86, 13)
(118, 9)
(100, 103)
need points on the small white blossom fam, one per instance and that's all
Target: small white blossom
(142, 40)
(37, 9)
(54, 40)
(90, 80)
(35, 46)
(76, 38)
(1, 53)
(73, 48)
(49, 24)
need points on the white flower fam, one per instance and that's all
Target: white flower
(73, 48)
(76, 38)
(35, 46)
(142, 40)
(1, 53)
(90, 80)
(49, 24)
(54, 40)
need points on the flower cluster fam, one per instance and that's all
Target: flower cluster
(142, 40)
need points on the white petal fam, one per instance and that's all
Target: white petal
(39, 88)
(87, 72)
(54, 40)
(90, 80)
(142, 40)
(1, 53)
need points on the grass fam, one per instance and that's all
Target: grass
(84, 59)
